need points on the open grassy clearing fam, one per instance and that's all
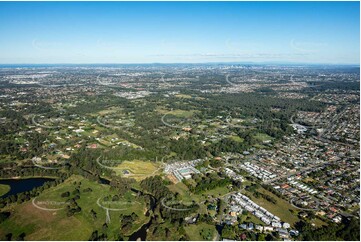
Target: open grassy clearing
(217, 192)
(183, 96)
(187, 196)
(250, 218)
(236, 138)
(182, 113)
(201, 231)
(177, 112)
(139, 170)
(180, 188)
(318, 222)
(280, 209)
(109, 111)
(263, 137)
(39, 224)
(4, 189)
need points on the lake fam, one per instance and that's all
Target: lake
(23, 185)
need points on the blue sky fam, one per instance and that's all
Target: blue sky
(147, 32)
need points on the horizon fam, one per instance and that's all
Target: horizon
(325, 33)
(185, 63)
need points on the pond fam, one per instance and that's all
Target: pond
(141, 233)
(23, 185)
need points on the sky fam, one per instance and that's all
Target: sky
(179, 32)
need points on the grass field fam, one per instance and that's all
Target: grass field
(39, 224)
(201, 232)
(280, 209)
(4, 189)
(180, 188)
(250, 218)
(236, 138)
(187, 196)
(110, 110)
(183, 191)
(217, 192)
(139, 169)
(177, 112)
(262, 137)
(183, 96)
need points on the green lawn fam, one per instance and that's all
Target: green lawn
(262, 137)
(318, 222)
(181, 189)
(39, 224)
(250, 218)
(4, 189)
(187, 196)
(280, 209)
(237, 138)
(217, 192)
(201, 231)
(182, 113)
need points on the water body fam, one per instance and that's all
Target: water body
(23, 185)
(104, 181)
(141, 233)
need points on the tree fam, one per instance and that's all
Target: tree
(351, 230)
(261, 237)
(228, 232)
(93, 214)
(4, 216)
(8, 236)
(21, 237)
(105, 227)
(94, 236)
(65, 194)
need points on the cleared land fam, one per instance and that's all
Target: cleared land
(237, 138)
(280, 209)
(263, 137)
(139, 170)
(183, 96)
(201, 232)
(178, 112)
(39, 224)
(186, 195)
